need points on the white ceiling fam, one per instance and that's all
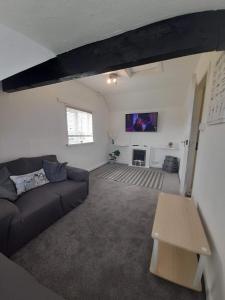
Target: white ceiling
(148, 88)
(61, 25)
(174, 72)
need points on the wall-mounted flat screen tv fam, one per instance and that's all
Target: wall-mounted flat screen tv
(142, 122)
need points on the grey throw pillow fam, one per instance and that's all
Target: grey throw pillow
(29, 181)
(55, 171)
(7, 188)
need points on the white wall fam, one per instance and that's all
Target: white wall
(33, 123)
(163, 90)
(170, 129)
(168, 101)
(209, 187)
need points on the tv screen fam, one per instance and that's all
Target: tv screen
(141, 122)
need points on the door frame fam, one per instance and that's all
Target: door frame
(193, 142)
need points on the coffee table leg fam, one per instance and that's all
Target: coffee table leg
(154, 258)
(199, 272)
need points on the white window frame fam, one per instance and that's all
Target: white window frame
(81, 110)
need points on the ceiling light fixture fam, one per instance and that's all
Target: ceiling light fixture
(112, 78)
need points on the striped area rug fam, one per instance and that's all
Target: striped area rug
(150, 178)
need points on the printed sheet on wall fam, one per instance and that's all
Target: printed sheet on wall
(216, 110)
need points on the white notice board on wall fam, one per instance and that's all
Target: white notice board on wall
(216, 110)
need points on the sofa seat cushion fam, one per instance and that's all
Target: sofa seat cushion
(38, 208)
(71, 193)
(33, 201)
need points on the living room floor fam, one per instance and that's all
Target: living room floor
(102, 249)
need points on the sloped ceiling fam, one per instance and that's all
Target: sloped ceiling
(18, 53)
(34, 31)
(61, 25)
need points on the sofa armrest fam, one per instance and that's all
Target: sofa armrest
(77, 174)
(8, 211)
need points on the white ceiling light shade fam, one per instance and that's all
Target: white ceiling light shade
(112, 78)
(109, 80)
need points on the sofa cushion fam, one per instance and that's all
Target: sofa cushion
(7, 188)
(18, 284)
(35, 200)
(22, 166)
(55, 171)
(36, 163)
(16, 167)
(38, 209)
(71, 193)
(29, 181)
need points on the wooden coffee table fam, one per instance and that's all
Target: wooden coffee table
(178, 238)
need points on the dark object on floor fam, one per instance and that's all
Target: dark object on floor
(37, 209)
(171, 164)
(18, 284)
(147, 177)
(102, 249)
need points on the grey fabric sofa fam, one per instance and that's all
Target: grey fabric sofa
(18, 284)
(37, 209)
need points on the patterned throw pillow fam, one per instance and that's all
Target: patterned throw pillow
(29, 181)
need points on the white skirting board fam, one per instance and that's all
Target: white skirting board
(97, 166)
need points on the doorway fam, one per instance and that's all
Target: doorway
(194, 135)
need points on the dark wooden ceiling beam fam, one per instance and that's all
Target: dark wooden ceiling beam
(175, 37)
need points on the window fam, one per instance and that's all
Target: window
(79, 126)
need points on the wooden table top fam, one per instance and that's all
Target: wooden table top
(177, 222)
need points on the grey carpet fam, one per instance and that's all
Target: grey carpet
(102, 249)
(150, 177)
